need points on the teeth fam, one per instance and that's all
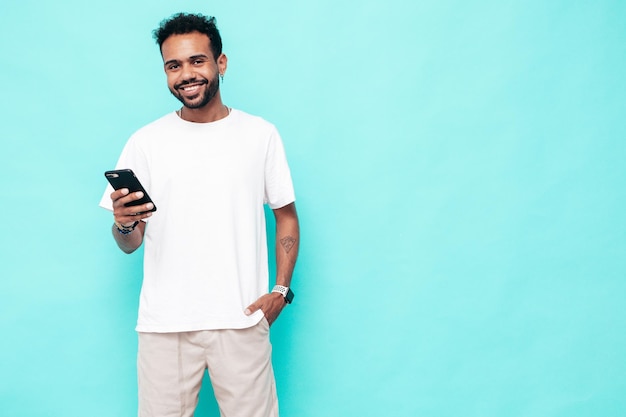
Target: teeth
(191, 88)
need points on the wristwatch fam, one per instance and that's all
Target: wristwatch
(285, 291)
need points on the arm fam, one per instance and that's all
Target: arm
(125, 216)
(287, 245)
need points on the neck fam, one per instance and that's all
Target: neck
(212, 112)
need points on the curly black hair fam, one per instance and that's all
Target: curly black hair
(182, 23)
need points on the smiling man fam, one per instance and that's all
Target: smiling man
(204, 301)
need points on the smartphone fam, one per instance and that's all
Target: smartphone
(125, 178)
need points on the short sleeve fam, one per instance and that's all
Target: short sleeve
(278, 184)
(131, 158)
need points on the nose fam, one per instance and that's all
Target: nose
(187, 73)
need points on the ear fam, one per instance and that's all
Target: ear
(222, 63)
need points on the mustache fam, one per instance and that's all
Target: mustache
(192, 81)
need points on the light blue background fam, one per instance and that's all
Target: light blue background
(460, 178)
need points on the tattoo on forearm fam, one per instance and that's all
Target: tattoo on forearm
(287, 243)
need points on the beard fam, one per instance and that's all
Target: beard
(209, 92)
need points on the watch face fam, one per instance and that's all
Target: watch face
(289, 296)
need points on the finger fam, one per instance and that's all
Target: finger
(130, 217)
(136, 210)
(127, 220)
(124, 206)
(117, 194)
(128, 198)
(252, 308)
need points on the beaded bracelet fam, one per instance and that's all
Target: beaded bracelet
(124, 230)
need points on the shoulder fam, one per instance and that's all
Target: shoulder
(250, 121)
(159, 125)
(153, 133)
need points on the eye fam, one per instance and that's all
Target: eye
(173, 67)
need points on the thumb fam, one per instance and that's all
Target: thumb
(251, 309)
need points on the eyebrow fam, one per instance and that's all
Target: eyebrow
(191, 58)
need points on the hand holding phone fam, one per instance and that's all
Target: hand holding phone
(125, 178)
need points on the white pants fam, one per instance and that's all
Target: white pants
(170, 368)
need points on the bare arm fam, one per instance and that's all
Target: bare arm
(287, 245)
(126, 216)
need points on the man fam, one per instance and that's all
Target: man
(204, 300)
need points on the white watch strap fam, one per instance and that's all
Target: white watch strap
(281, 289)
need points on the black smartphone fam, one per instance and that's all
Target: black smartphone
(125, 178)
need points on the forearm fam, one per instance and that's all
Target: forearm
(130, 242)
(125, 215)
(287, 243)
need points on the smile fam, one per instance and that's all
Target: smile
(191, 88)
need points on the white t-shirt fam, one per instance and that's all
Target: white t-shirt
(205, 256)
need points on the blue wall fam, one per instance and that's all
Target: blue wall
(460, 178)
